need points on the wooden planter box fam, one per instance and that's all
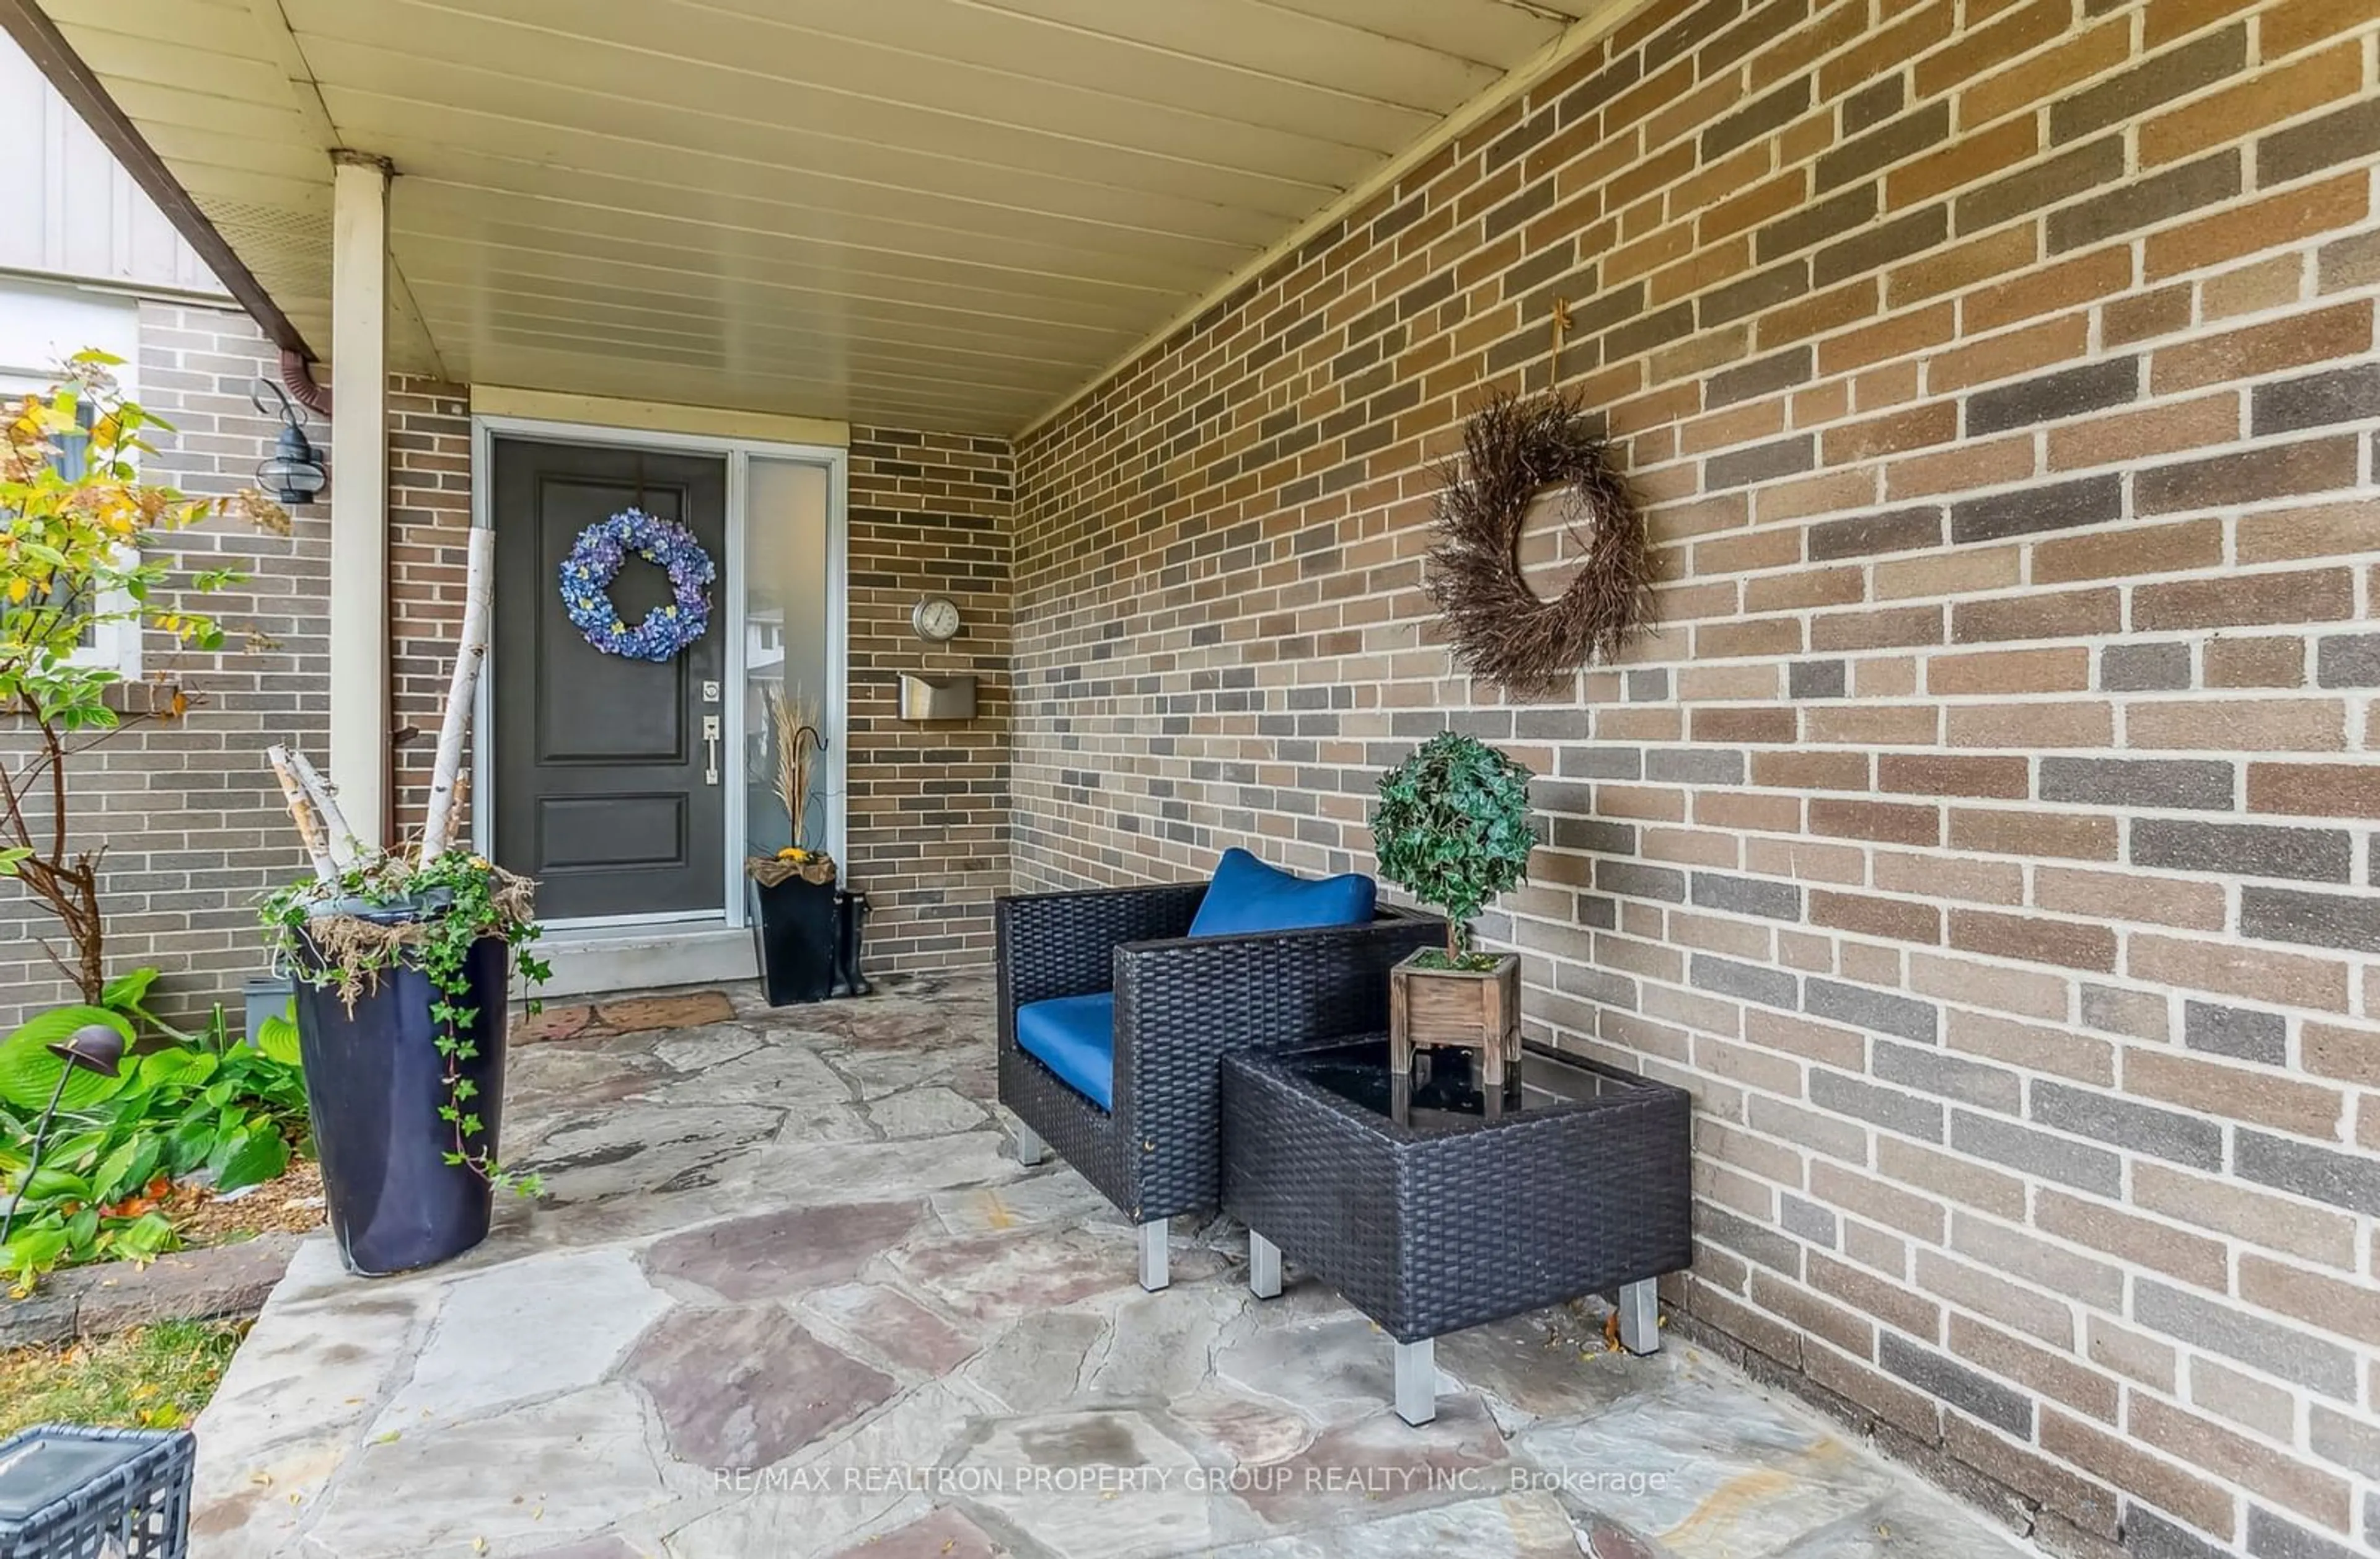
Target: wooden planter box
(1478, 1010)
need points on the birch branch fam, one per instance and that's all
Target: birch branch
(301, 812)
(470, 653)
(458, 816)
(340, 839)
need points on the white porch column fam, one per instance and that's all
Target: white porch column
(359, 709)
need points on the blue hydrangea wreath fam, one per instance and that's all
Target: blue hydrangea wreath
(595, 558)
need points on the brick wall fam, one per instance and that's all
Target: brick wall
(1986, 839)
(192, 820)
(929, 513)
(429, 525)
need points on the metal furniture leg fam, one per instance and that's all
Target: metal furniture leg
(1030, 1149)
(1417, 1381)
(1264, 1267)
(1154, 1271)
(1640, 1317)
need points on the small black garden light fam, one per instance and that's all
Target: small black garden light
(94, 1047)
(293, 473)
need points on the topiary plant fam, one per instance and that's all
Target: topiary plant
(1452, 828)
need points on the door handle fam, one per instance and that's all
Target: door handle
(710, 744)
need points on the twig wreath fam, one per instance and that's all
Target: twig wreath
(595, 560)
(1513, 449)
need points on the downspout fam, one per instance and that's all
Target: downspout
(298, 378)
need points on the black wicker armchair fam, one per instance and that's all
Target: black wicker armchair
(1181, 1004)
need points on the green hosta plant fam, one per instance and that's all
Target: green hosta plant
(127, 995)
(204, 1104)
(1452, 828)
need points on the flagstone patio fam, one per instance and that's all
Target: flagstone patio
(787, 1293)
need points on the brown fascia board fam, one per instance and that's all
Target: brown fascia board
(25, 22)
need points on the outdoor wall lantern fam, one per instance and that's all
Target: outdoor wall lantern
(293, 473)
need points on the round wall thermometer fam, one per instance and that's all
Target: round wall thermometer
(935, 618)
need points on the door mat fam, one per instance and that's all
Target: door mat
(633, 1014)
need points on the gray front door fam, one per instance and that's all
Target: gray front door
(606, 790)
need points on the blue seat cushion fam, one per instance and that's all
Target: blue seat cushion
(1247, 895)
(1074, 1036)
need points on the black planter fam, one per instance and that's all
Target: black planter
(798, 937)
(375, 1083)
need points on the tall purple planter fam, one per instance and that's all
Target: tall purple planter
(375, 1083)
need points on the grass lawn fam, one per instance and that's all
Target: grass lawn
(156, 1377)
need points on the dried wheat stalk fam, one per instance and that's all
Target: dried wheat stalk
(797, 747)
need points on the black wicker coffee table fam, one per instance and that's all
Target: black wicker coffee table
(1444, 1208)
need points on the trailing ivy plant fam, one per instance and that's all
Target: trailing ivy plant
(447, 906)
(1452, 828)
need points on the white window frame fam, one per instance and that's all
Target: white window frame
(115, 644)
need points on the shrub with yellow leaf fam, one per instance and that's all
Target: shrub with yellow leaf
(84, 547)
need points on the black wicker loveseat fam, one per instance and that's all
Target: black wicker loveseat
(1181, 1004)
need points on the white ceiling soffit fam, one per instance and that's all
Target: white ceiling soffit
(945, 213)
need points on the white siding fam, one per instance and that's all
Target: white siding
(72, 211)
(42, 324)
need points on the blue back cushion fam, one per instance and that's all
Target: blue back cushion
(1249, 895)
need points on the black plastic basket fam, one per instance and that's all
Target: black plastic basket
(126, 1491)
